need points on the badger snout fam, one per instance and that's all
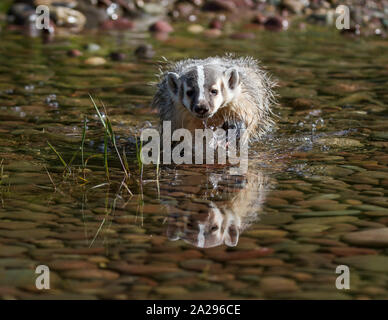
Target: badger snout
(201, 110)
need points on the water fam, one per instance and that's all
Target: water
(316, 181)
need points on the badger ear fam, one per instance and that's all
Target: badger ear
(173, 232)
(173, 83)
(232, 78)
(232, 235)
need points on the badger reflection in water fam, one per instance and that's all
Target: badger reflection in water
(224, 207)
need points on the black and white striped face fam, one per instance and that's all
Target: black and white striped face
(203, 90)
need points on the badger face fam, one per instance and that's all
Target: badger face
(205, 230)
(204, 89)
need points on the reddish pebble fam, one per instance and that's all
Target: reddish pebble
(274, 24)
(119, 24)
(215, 24)
(117, 56)
(161, 26)
(74, 53)
(259, 19)
(242, 36)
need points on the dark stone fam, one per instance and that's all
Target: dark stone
(117, 56)
(215, 24)
(20, 13)
(274, 24)
(161, 26)
(144, 51)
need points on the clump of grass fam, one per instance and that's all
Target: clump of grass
(109, 132)
(109, 137)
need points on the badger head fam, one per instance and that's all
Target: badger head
(205, 230)
(204, 89)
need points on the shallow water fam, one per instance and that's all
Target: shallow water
(317, 180)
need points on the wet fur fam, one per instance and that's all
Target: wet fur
(252, 106)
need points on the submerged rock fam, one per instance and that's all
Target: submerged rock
(20, 13)
(373, 263)
(145, 51)
(119, 24)
(370, 238)
(277, 284)
(69, 18)
(117, 56)
(340, 142)
(161, 26)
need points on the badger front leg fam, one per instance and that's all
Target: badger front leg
(237, 125)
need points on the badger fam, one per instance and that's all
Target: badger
(216, 92)
(219, 222)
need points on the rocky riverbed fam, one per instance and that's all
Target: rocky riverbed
(323, 171)
(212, 17)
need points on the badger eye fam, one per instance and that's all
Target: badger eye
(214, 228)
(190, 93)
(214, 92)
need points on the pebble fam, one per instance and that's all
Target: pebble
(274, 24)
(288, 194)
(118, 24)
(95, 61)
(161, 26)
(239, 255)
(124, 267)
(92, 47)
(70, 265)
(350, 251)
(368, 238)
(373, 263)
(145, 51)
(212, 33)
(67, 17)
(117, 56)
(216, 24)
(198, 265)
(74, 53)
(266, 234)
(328, 213)
(195, 29)
(9, 251)
(91, 274)
(340, 142)
(277, 284)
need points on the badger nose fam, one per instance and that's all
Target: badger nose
(201, 109)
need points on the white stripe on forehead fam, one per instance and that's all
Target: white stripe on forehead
(201, 82)
(201, 236)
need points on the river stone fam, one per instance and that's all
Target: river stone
(197, 264)
(328, 213)
(339, 142)
(266, 233)
(171, 291)
(374, 263)
(8, 251)
(370, 238)
(277, 284)
(91, 274)
(95, 61)
(307, 227)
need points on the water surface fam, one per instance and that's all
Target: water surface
(318, 178)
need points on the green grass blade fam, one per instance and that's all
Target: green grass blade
(83, 143)
(106, 154)
(58, 155)
(98, 112)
